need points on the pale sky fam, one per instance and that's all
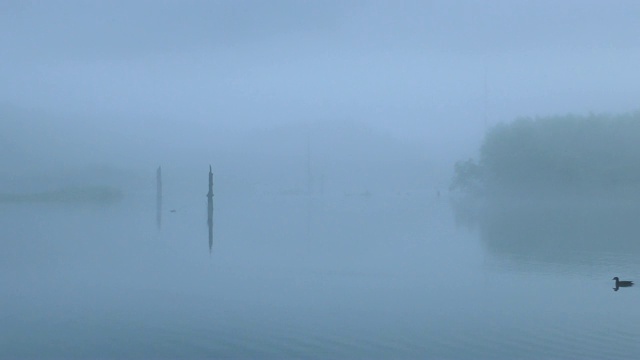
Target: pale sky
(427, 72)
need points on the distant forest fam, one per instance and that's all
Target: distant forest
(555, 155)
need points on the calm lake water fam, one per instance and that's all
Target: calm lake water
(383, 276)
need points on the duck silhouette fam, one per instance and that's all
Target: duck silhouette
(623, 283)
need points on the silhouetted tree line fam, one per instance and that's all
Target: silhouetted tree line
(577, 154)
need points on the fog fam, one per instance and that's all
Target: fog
(332, 129)
(161, 77)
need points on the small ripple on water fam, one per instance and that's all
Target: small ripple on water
(569, 338)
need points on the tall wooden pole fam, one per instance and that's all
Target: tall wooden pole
(159, 197)
(210, 208)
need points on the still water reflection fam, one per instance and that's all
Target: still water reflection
(332, 277)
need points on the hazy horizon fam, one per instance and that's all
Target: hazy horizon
(333, 129)
(141, 80)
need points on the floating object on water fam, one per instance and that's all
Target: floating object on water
(622, 283)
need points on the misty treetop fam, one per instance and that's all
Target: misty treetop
(555, 155)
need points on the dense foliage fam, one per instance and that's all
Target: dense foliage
(556, 154)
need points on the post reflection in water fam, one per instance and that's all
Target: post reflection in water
(210, 209)
(210, 236)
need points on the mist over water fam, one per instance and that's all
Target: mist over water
(288, 276)
(373, 195)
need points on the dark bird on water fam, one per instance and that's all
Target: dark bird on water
(622, 283)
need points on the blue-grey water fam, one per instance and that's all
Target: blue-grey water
(393, 275)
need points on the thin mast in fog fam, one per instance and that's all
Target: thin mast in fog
(159, 197)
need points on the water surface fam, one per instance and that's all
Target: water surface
(343, 276)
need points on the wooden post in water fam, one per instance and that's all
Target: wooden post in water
(159, 197)
(210, 209)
